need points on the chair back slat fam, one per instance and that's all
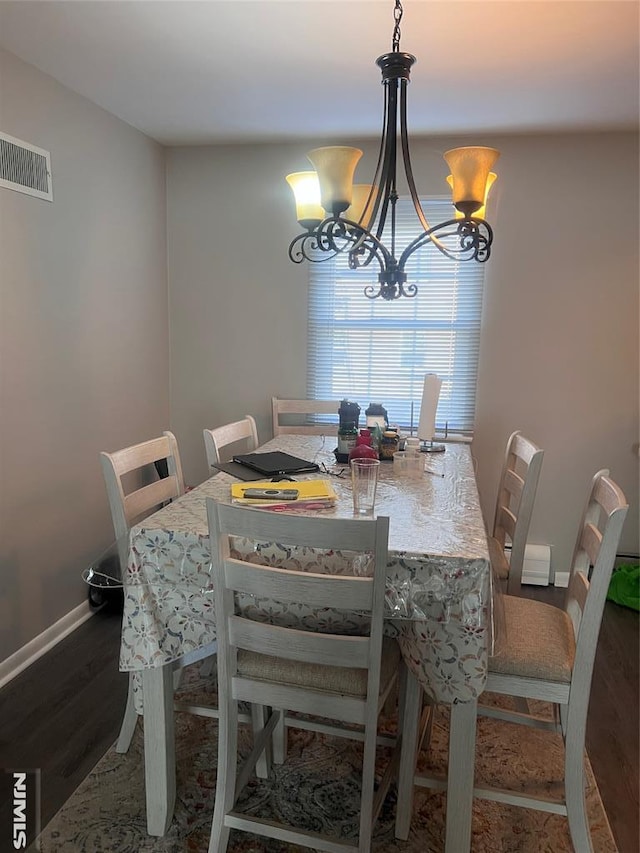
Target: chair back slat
(326, 649)
(577, 599)
(345, 591)
(513, 486)
(304, 408)
(522, 448)
(134, 457)
(316, 532)
(607, 494)
(591, 542)
(149, 498)
(349, 709)
(308, 429)
(506, 525)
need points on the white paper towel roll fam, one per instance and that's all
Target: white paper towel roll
(429, 406)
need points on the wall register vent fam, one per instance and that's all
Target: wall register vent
(25, 168)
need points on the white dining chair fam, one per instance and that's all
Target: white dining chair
(301, 412)
(134, 492)
(215, 440)
(514, 508)
(548, 654)
(338, 677)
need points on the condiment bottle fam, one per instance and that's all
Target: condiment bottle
(363, 448)
(347, 437)
(389, 444)
(376, 415)
(349, 413)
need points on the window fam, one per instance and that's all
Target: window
(369, 350)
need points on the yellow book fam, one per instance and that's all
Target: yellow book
(320, 491)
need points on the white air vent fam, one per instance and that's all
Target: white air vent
(25, 168)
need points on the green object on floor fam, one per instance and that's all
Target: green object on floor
(624, 587)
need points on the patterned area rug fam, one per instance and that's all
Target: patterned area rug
(317, 788)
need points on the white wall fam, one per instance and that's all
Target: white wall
(559, 350)
(84, 355)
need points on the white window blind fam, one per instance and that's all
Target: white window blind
(370, 350)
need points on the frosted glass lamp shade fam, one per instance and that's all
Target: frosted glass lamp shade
(306, 189)
(480, 213)
(470, 169)
(335, 165)
(429, 407)
(361, 208)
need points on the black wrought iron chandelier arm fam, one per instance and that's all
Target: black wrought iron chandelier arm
(336, 235)
(406, 158)
(387, 187)
(429, 232)
(367, 246)
(376, 194)
(304, 247)
(475, 237)
(327, 240)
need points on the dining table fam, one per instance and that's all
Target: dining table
(439, 604)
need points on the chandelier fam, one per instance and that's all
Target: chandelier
(342, 217)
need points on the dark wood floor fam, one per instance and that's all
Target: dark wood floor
(62, 713)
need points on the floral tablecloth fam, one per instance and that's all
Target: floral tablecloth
(439, 589)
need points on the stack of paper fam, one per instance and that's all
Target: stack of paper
(312, 494)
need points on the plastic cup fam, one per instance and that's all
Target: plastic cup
(364, 479)
(415, 463)
(408, 463)
(400, 462)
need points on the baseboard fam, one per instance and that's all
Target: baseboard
(41, 644)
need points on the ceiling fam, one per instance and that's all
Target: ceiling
(188, 72)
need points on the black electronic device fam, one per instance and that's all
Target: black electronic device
(276, 462)
(271, 494)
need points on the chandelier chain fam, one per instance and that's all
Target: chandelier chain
(397, 17)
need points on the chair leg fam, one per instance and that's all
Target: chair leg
(177, 678)
(226, 779)
(129, 721)
(408, 729)
(462, 741)
(562, 712)
(280, 740)
(159, 748)
(366, 799)
(207, 667)
(574, 785)
(259, 717)
(425, 742)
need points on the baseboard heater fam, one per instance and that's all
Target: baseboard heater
(537, 564)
